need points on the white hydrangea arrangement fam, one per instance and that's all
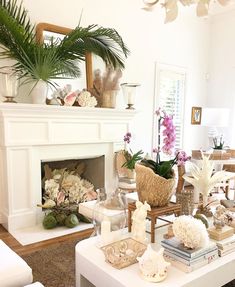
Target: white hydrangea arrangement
(63, 189)
(72, 190)
(85, 99)
(66, 189)
(190, 231)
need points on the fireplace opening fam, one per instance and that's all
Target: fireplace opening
(73, 180)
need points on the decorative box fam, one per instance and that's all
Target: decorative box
(123, 253)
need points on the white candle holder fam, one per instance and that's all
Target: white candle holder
(129, 92)
(9, 85)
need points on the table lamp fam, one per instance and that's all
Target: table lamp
(214, 118)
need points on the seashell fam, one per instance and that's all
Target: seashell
(70, 99)
(153, 265)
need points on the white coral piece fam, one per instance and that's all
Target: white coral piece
(51, 188)
(190, 231)
(86, 100)
(202, 177)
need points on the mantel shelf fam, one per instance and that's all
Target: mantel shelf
(51, 111)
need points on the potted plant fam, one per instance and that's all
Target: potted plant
(218, 143)
(130, 158)
(155, 179)
(46, 62)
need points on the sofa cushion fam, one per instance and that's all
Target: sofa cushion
(36, 284)
(14, 271)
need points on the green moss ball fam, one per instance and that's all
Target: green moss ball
(49, 222)
(71, 221)
(61, 218)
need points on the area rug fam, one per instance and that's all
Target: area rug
(54, 266)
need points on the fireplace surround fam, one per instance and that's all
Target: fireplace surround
(31, 134)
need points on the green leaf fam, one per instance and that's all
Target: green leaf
(51, 61)
(131, 160)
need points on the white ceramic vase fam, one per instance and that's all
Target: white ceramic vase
(39, 92)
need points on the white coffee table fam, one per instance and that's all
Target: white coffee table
(92, 270)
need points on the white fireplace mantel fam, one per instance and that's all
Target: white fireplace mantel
(31, 133)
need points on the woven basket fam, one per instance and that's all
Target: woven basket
(156, 190)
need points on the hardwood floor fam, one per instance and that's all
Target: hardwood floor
(22, 250)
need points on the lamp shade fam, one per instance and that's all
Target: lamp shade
(215, 117)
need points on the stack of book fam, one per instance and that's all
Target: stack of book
(226, 246)
(186, 259)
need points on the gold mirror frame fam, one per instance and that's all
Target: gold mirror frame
(41, 27)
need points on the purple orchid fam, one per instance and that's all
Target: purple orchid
(127, 137)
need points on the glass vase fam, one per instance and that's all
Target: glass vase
(109, 216)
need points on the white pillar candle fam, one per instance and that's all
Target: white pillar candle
(105, 231)
(130, 97)
(105, 226)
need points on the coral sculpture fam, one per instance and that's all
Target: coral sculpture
(190, 231)
(203, 179)
(85, 99)
(105, 82)
(219, 217)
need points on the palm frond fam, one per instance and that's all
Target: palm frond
(53, 60)
(104, 42)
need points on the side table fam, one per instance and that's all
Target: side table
(154, 213)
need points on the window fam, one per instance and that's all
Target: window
(169, 95)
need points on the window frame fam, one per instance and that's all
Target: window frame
(175, 69)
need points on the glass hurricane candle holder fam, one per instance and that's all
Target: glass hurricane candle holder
(129, 92)
(9, 85)
(109, 216)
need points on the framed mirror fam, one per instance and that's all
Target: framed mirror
(46, 30)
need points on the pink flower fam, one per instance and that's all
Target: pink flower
(182, 157)
(158, 112)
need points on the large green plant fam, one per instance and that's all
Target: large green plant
(48, 61)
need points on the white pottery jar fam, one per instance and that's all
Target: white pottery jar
(39, 92)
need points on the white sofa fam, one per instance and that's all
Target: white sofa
(14, 271)
(36, 284)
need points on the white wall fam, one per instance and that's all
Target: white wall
(183, 42)
(221, 83)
